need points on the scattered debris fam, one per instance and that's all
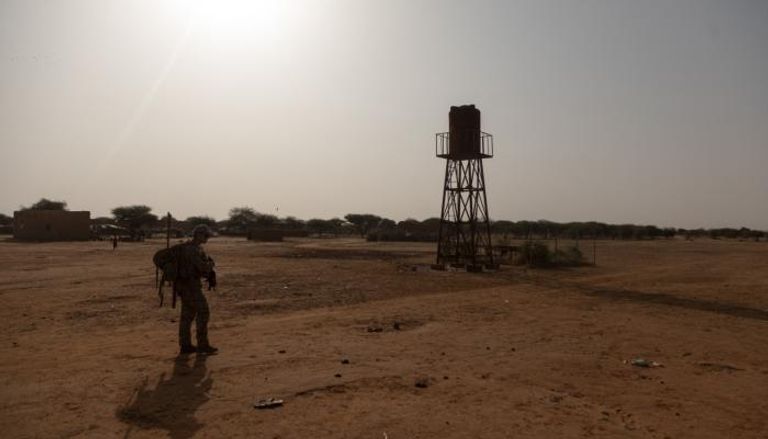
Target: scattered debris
(422, 383)
(268, 403)
(643, 362)
(374, 328)
(720, 367)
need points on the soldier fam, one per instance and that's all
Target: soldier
(194, 264)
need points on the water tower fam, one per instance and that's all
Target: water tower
(465, 230)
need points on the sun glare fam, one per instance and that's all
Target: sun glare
(235, 22)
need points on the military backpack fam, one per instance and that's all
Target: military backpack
(168, 262)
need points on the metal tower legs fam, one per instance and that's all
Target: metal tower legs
(465, 230)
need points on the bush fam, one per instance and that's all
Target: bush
(535, 254)
(538, 255)
(570, 257)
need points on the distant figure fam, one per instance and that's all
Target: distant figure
(194, 264)
(114, 242)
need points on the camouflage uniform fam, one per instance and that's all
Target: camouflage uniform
(194, 265)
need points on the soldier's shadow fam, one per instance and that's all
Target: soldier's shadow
(171, 404)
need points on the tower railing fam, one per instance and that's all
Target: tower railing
(443, 146)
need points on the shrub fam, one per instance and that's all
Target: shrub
(570, 257)
(535, 254)
(538, 255)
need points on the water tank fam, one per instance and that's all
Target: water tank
(464, 129)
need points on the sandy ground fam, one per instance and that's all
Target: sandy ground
(85, 351)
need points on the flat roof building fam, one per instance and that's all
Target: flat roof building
(51, 225)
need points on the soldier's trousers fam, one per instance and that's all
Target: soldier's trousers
(194, 306)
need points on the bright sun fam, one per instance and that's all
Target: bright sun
(235, 22)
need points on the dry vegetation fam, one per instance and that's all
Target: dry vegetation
(85, 352)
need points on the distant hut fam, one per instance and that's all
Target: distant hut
(108, 231)
(51, 225)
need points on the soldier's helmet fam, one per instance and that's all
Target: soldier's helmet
(202, 229)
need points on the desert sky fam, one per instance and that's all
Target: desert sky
(652, 112)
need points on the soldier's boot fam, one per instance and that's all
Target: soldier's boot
(188, 349)
(207, 350)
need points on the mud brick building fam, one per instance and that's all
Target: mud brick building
(51, 225)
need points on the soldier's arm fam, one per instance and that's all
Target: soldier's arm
(203, 263)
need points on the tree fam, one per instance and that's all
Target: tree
(744, 233)
(201, 219)
(5, 220)
(293, 223)
(431, 225)
(386, 224)
(317, 225)
(265, 220)
(241, 218)
(756, 235)
(363, 221)
(134, 217)
(336, 225)
(320, 226)
(502, 227)
(46, 204)
(102, 220)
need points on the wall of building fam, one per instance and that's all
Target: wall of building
(51, 225)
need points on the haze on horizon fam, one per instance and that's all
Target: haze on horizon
(651, 112)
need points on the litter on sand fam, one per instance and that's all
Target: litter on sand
(643, 362)
(268, 403)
